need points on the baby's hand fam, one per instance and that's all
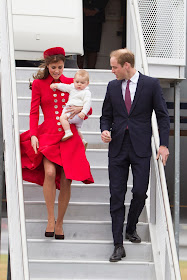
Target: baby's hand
(53, 87)
(81, 115)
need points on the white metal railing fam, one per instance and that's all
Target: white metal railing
(161, 227)
(13, 173)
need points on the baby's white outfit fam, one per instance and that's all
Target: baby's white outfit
(76, 98)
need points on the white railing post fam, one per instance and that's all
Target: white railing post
(139, 32)
(152, 194)
(14, 187)
(167, 212)
(177, 164)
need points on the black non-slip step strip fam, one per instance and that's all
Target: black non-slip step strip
(183, 105)
(182, 119)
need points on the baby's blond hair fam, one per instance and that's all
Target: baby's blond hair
(83, 73)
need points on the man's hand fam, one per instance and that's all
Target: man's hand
(164, 153)
(81, 115)
(74, 110)
(105, 136)
(35, 143)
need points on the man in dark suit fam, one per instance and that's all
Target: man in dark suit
(126, 125)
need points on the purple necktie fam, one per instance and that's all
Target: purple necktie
(128, 97)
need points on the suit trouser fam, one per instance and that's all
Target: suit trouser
(118, 176)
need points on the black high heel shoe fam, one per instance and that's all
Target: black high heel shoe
(49, 233)
(59, 236)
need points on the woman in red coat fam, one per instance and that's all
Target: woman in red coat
(46, 160)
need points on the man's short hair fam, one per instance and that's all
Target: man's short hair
(122, 56)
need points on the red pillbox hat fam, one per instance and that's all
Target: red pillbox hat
(54, 51)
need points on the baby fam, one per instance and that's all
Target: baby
(79, 95)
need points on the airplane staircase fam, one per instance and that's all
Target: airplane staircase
(88, 244)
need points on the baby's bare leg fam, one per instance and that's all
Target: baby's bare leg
(66, 126)
(84, 141)
(64, 122)
(80, 134)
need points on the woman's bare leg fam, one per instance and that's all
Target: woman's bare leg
(49, 190)
(63, 200)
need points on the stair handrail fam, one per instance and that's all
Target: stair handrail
(13, 172)
(139, 36)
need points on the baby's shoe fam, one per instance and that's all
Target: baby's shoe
(68, 134)
(85, 144)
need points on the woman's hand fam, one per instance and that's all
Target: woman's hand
(35, 143)
(74, 110)
(81, 115)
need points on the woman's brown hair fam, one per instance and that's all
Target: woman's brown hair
(43, 71)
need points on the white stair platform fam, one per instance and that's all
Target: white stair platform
(99, 270)
(83, 230)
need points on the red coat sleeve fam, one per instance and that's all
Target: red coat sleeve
(34, 111)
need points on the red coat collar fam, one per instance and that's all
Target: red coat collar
(50, 79)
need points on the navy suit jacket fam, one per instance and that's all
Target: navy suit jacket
(115, 118)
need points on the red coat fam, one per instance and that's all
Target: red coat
(69, 154)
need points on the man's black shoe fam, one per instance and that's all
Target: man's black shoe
(118, 254)
(134, 237)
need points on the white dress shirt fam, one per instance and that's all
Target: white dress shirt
(132, 86)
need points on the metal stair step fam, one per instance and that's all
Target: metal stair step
(98, 89)
(26, 73)
(79, 192)
(91, 270)
(98, 230)
(24, 120)
(77, 211)
(97, 157)
(91, 124)
(99, 75)
(24, 104)
(85, 250)
(100, 175)
(92, 137)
